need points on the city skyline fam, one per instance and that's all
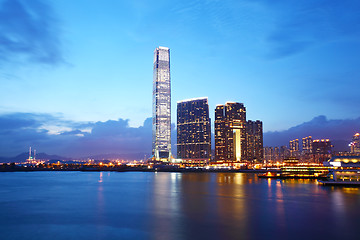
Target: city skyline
(61, 79)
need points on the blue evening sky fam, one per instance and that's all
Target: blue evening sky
(89, 60)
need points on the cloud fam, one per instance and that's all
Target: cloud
(339, 131)
(304, 24)
(45, 132)
(29, 32)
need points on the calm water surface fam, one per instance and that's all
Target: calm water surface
(140, 205)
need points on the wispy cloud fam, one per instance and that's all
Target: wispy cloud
(303, 24)
(29, 32)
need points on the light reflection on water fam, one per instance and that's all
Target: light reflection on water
(104, 205)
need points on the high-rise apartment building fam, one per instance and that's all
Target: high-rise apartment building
(268, 154)
(161, 130)
(322, 146)
(193, 129)
(294, 147)
(284, 152)
(276, 154)
(307, 145)
(254, 132)
(230, 132)
(322, 149)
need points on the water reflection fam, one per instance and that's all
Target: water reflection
(232, 203)
(238, 205)
(166, 200)
(174, 206)
(100, 203)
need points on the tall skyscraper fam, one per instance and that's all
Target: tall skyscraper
(161, 130)
(230, 132)
(254, 131)
(193, 129)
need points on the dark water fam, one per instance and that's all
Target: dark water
(139, 205)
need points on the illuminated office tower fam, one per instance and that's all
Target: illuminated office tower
(161, 127)
(254, 132)
(294, 147)
(193, 129)
(355, 144)
(230, 132)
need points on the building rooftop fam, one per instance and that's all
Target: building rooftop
(193, 99)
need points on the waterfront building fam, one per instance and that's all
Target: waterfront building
(161, 126)
(345, 170)
(294, 147)
(230, 132)
(355, 144)
(193, 130)
(254, 132)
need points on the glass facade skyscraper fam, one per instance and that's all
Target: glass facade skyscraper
(161, 130)
(193, 129)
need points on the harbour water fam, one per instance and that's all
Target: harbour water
(147, 205)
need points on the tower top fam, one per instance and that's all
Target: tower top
(193, 99)
(163, 48)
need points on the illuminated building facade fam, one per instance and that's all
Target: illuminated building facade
(307, 145)
(254, 132)
(161, 126)
(193, 129)
(322, 149)
(294, 147)
(355, 144)
(230, 132)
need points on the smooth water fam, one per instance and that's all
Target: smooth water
(145, 205)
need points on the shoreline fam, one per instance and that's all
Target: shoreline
(140, 170)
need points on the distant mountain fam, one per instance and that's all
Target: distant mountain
(114, 156)
(23, 156)
(340, 132)
(54, 158)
